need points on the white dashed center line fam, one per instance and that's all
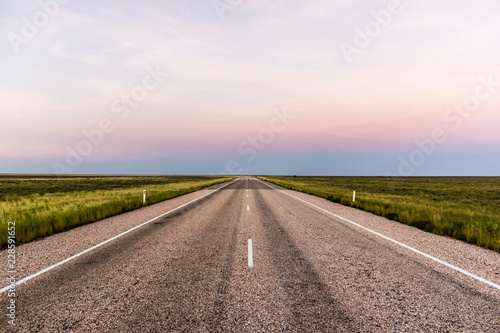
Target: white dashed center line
(250, 253)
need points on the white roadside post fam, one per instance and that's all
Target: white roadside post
(353, 196)
(143, 197)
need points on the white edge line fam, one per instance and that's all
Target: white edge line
(458, 269)
(107, 241)
(250, 253)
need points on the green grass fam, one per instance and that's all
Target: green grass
(466, 208)
(43, 205)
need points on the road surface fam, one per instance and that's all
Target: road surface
(249, 256)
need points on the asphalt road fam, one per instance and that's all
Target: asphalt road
(189, 271)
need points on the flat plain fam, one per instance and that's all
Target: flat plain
(43, 205)
(465, 208)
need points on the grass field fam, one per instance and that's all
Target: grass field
(466, 208)
(43, 205)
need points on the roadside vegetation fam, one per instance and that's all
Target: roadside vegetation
(466, 208)
(43, 205)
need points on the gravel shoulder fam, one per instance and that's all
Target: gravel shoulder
(42, 253)
(477, 260)
(383, 286)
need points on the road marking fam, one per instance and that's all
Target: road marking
(248, 207)
(250, 253)
(428, 256)
(247, 195)
(107, 241)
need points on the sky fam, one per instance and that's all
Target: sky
(368, 88)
